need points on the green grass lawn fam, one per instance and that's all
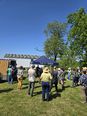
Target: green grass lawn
(18, 103)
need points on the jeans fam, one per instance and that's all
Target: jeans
(45, 90)
(31, 88)
(69, 76)
(10, 79)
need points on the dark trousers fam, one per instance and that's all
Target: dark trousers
(85, 93)
(31, 88)
(45, 90)
(75, 81)
(55, 84)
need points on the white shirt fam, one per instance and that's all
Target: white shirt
(31, 75)
(20, 73)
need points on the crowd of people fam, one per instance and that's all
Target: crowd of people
(49, 78)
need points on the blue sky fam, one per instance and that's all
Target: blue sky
(22, 22)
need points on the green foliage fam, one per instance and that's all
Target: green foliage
(78, 32)
(54, 45)
(55, 28)
(68, 59)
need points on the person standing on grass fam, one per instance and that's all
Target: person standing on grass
(45, 78)
(75, 77)
(83, 82)
(55, 79)
(38, 71)
(69, 73)
(9, 74)
(61, 74)
(20, 72)
(31, 78)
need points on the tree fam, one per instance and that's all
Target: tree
(78, 33)
(54, 44)
(68, 59)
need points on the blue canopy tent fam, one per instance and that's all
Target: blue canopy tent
(44, 61)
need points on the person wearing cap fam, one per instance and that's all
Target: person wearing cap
(45, 78)
(31, 78)
(20, 72)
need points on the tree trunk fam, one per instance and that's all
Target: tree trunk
(55, 57)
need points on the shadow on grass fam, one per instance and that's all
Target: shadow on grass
(60, 90)
(26, 87)
(25, 83)
(3, 81)
(6, 90)
(54, 96)
(37, 93)
(67, 86)
(36, 81)
(38, 86)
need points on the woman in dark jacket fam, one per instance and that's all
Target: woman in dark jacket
(54, 79)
